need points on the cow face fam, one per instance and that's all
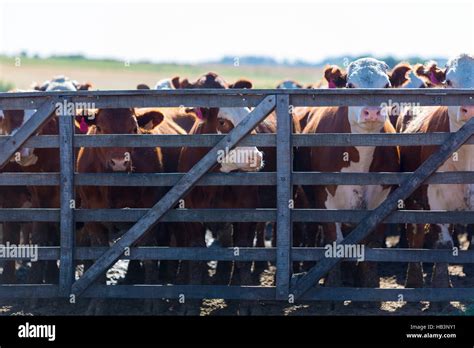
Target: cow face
(121, 121)
(459, 73)
(223, 120)
(372, 73)
(62, 83)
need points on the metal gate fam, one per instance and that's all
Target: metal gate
(301, 286)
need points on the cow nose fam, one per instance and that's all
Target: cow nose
(467, 112)
(119, 165)
(371, 114)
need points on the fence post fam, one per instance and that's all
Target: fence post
(67, 224)
(284, 196)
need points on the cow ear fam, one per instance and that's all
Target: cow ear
(175, 82)
(185, 84)
(143, 86)
(150, 119)
(335, 76)
(42, 87)
(399, 75)
(241, 84)
(432, 72)
(84, 86)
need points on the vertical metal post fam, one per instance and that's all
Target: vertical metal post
(67, 224)
(284, 196)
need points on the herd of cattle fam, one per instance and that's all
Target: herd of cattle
(362, 73)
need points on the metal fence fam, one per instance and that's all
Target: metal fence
(263, 101)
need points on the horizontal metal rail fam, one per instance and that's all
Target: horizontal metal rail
(238, 215)
(240, 97)
(230, 179)
(244, 293)
(259, 254)
(268, 140)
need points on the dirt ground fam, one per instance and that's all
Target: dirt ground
(392, 275)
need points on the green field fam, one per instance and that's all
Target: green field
(112, 74)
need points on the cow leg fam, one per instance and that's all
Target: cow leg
(370, 277)
(415, 237)
(98, 236)
(223, 234)
(440, 276)
(298, 241)
(244, 233)
(260, 266)
(168, 268)
(153, 306)
(403, 241)
(194, 238)
(39, 237)
(11, 234)
(51, 267)
(333, 232)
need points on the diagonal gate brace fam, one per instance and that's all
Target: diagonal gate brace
(170, 199)
(301, 283)
(9, 146)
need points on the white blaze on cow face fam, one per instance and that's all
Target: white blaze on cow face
(367, 73)
(460, 74)
(244, 158)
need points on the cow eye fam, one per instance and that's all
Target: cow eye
(221, 122)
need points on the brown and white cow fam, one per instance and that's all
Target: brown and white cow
(221, 121)
(362, 73)
(459, 73)
(13, 196)
(127, 160)
(42, 160)
(184, 117)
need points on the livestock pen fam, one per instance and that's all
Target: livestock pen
(287, 285)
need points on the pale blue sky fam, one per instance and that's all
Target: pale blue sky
(188, 31)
